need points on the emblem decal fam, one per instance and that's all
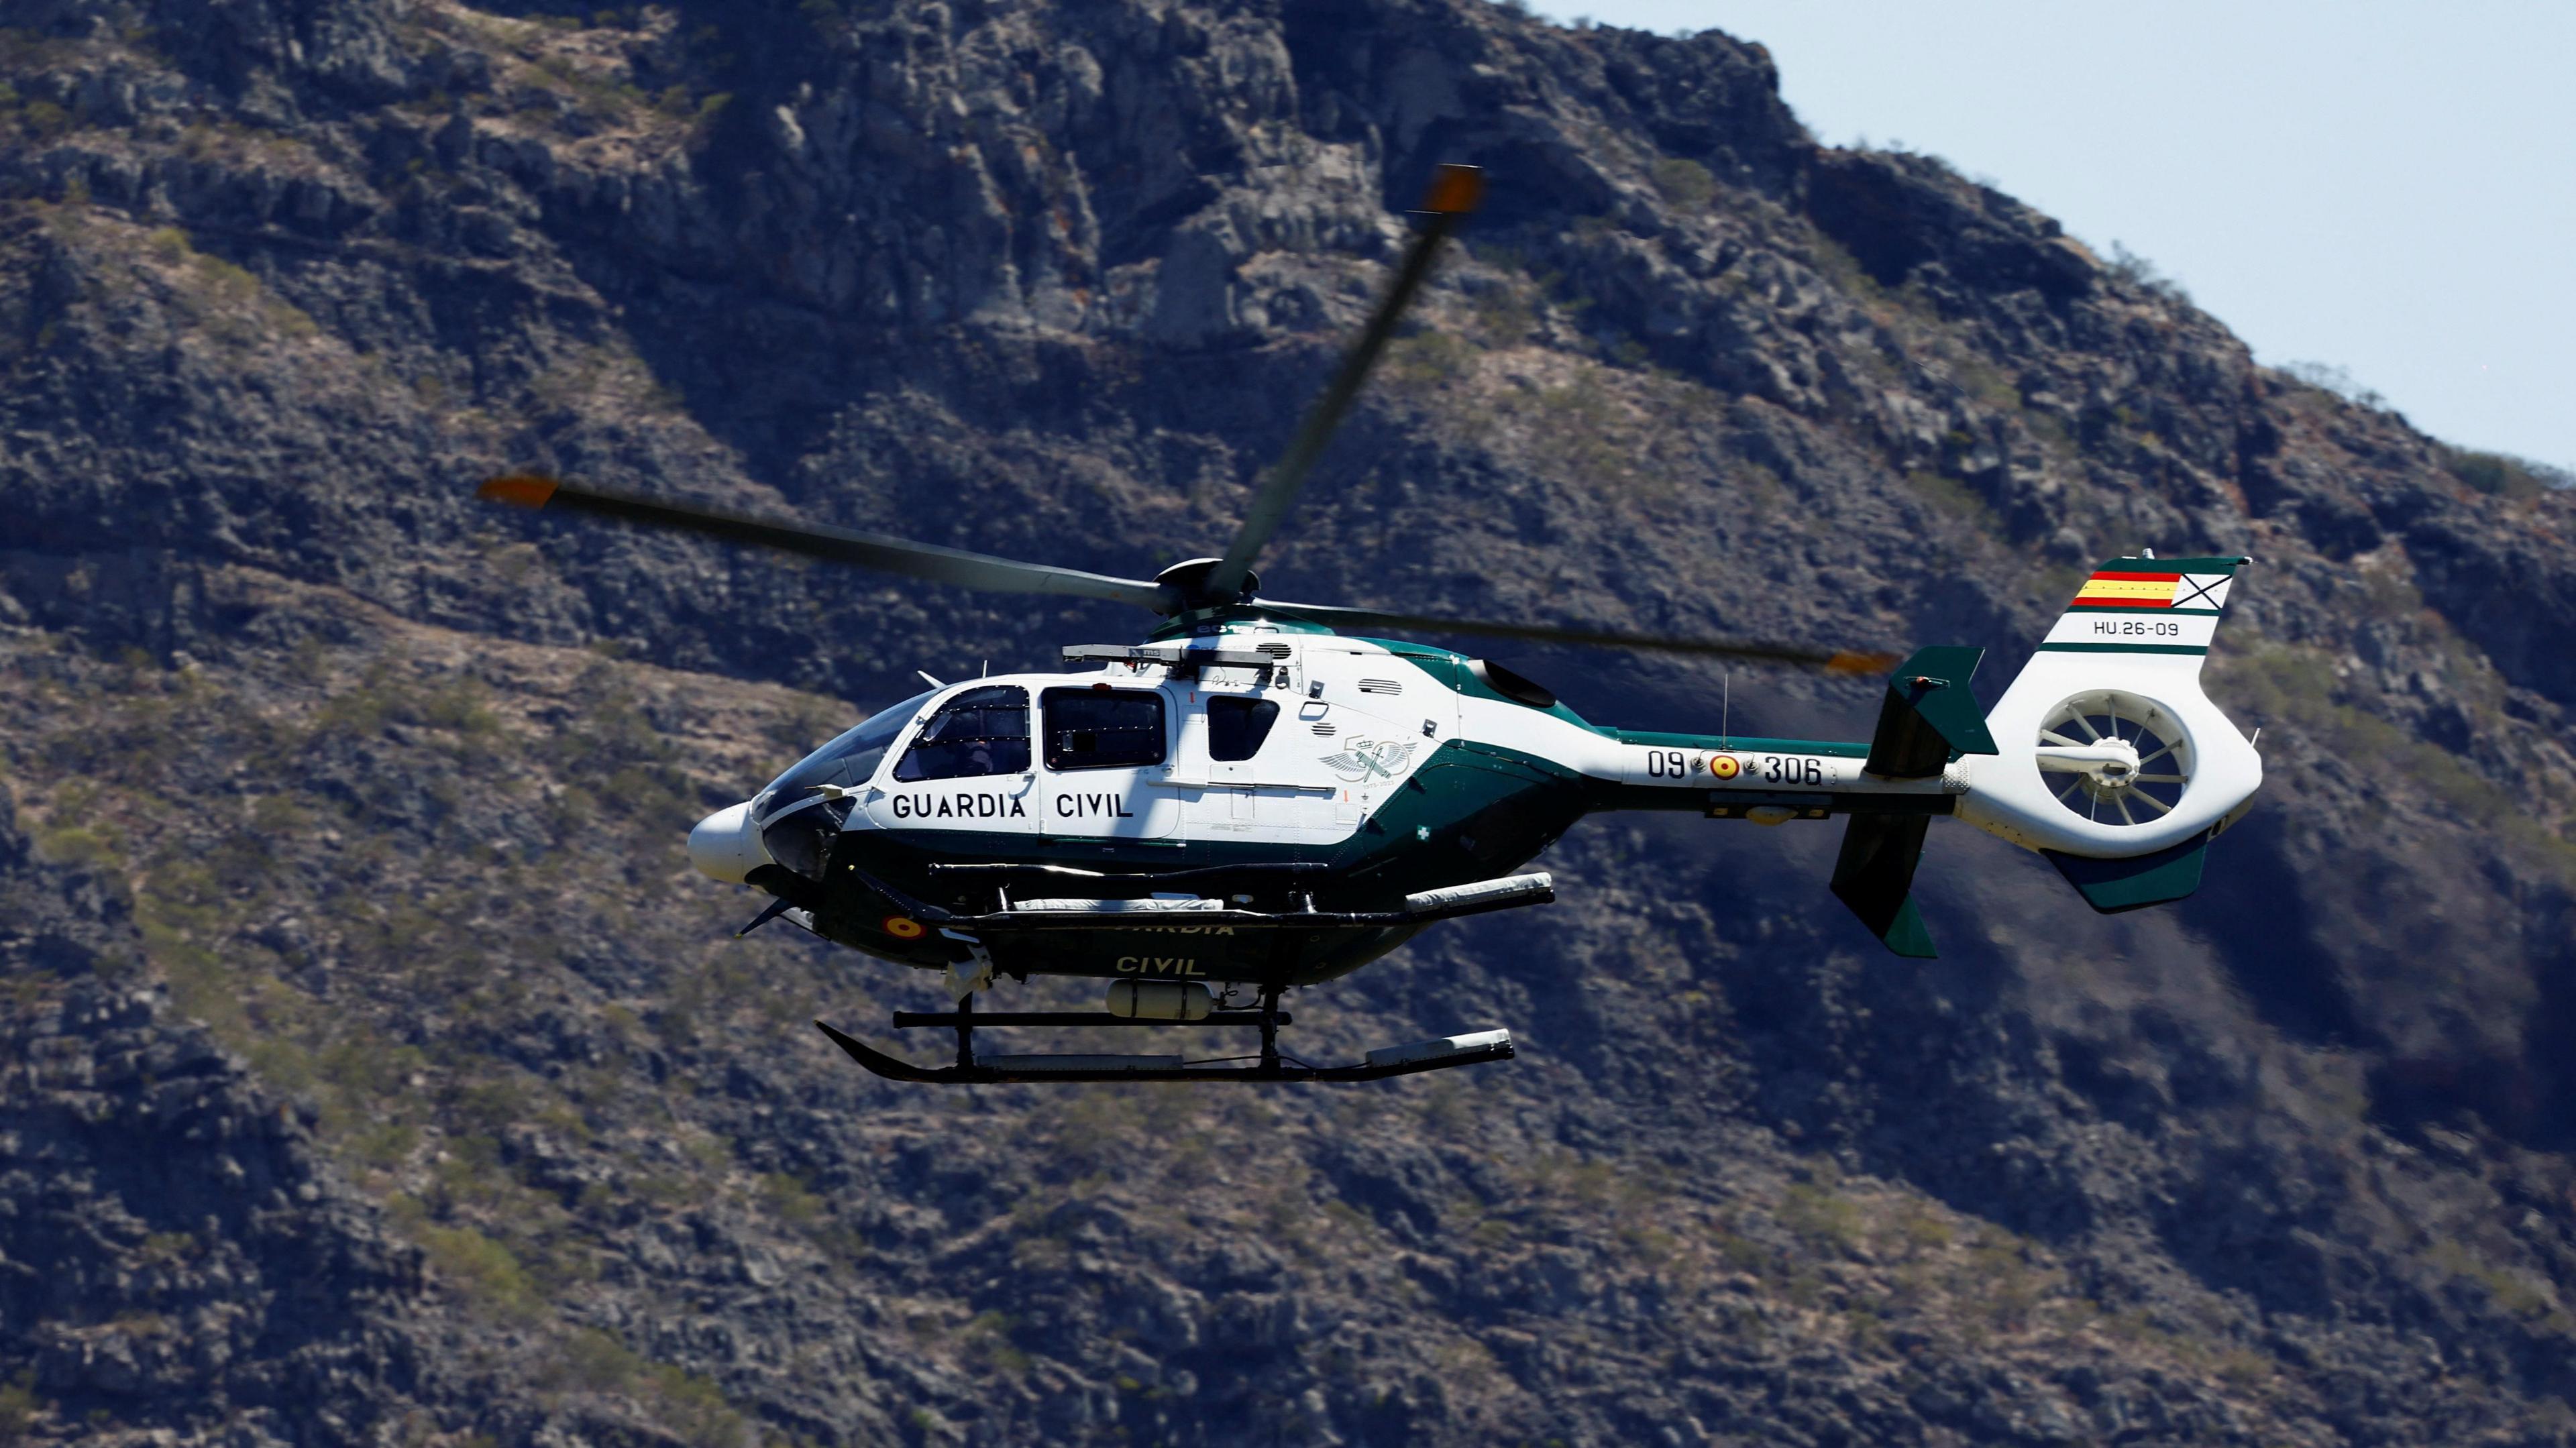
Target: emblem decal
(1366, 760)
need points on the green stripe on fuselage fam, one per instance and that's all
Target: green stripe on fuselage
(1731, 744)
(2122, 649)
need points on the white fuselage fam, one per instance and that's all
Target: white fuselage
(1355, 719)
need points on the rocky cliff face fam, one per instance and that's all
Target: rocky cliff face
(377, 1072)
(174, 1251)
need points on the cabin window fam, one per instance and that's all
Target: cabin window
(1101, 728)
(983, 730)
(1236, 727)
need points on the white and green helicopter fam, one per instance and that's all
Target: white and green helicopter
(1251, 801)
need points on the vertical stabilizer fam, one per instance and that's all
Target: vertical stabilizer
(1929, 719)
(2109, 750)
(2145, 608)
(1874, 875)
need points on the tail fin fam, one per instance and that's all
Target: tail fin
(2146, 608)
(2112, 761)
(1874, 875)
(1929, 719)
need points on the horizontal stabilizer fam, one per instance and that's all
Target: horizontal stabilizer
(1874, 875)
(2111, 886)
(1929, 715)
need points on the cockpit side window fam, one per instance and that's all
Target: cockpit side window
(979, 731)
(1236, 727)
(1101, 728)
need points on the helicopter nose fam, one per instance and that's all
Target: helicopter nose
(725, 846)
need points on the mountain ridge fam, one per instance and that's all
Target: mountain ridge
(387, 790)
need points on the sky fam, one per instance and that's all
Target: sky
(2387, 189)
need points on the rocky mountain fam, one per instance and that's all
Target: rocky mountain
(375, 1071)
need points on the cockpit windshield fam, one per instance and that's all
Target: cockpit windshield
(851, 759)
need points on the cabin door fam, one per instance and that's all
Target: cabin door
(1104, 763)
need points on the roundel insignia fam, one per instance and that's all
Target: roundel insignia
(1724, 766)
(904, 927)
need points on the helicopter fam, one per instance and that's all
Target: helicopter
(1254, 800)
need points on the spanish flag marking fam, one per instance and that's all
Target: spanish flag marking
(2129, 590)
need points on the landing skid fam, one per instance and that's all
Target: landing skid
(971, 1069)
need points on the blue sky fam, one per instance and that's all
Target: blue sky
(2388, 189)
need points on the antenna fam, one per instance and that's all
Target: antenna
(1725, 707)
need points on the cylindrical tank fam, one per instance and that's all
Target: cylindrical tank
(1160, 1000)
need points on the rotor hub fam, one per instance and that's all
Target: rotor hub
(2106, 767)
(1187, 582)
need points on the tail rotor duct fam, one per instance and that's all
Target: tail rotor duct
(2114, 758)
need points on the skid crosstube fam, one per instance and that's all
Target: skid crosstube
(896, 1069)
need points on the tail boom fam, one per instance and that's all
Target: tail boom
(2104, 754)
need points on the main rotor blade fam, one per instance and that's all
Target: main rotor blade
(836, 545)
(1753, 651)
(1454, 192)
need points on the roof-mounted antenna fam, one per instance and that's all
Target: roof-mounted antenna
(1725, 706)
(925, 678)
